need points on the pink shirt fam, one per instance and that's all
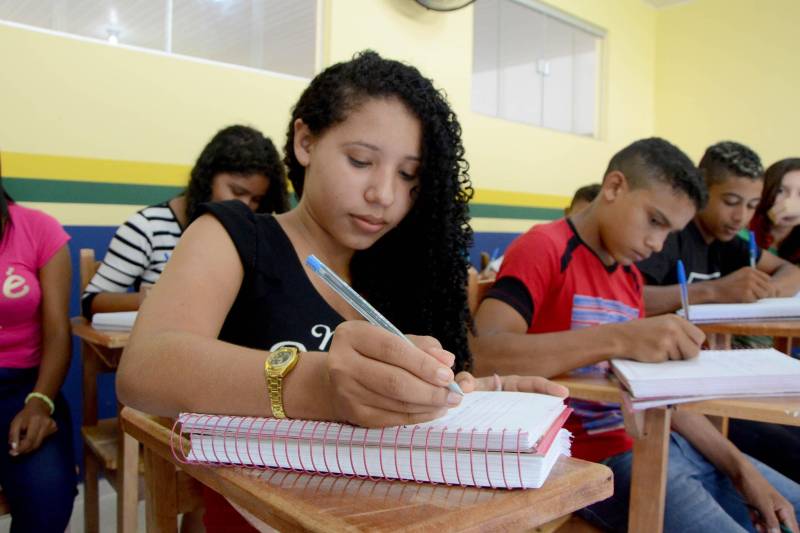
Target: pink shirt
(29, 241)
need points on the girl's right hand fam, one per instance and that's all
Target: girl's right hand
(377, 379)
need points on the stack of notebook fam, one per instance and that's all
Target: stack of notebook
(712, 374)
(493, 439)
(766, 309)
(122, 321)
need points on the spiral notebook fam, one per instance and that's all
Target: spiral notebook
(493, 439)
(766, 309)
(712, 374)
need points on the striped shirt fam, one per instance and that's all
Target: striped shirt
(137, 253)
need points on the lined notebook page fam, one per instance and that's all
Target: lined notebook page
(766, 309)
(765, 371)
(486, 420)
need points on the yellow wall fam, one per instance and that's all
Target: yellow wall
(727, 69)
(62, 96)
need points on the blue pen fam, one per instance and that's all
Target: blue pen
(684, 289)
(360, 304)
(495, 254)
(753, 250)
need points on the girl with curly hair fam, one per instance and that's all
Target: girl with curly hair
(238, 163)
(374, 153)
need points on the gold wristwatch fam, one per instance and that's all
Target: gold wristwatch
(278, 364)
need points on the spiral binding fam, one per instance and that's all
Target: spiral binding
(280, 446)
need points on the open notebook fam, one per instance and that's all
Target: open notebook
(493, 439)
(766, 309)
(122, 321)
(712, 374)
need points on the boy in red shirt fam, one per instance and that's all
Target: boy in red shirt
(569, 297)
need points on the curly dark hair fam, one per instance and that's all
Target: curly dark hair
(728, 158)
(422, 262)
(238, 150)
(761, 224)
(657, 159)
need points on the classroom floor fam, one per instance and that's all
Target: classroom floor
(108, 512)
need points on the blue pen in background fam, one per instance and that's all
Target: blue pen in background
(684, 289)
(361, 305)
(753, 250)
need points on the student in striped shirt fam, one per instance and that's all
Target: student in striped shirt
(238, 163)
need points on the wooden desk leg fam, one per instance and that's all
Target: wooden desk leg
(127, 483)
(782, 344)
(721, 423)
(649, 475)
(161, 504)
(91, 495)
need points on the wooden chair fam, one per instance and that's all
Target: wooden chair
(476, 290)
(106, 448)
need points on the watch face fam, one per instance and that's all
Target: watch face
(281, 357)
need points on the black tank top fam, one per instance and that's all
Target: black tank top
(277, 305)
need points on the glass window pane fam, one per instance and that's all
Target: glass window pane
(133, 22)
(532, 66)
(275, 35)
(278, 35)
(585, 97)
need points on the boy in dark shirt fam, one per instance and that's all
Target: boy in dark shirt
(569, 297)
(710, 247)
(718, 267)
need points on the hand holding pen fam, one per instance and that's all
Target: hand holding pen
(384, 378)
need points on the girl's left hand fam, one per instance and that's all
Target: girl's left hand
(30, 427)
(469, 383)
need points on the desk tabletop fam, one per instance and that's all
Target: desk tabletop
(777, 410)
(83, 329)
(776, 328)
(300, 501)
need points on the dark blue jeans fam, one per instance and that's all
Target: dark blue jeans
(40, 486)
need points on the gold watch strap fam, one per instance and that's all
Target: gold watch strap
(275, 384)
(275, 388)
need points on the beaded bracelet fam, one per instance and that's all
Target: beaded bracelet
(44, 398)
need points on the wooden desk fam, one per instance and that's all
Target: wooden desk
(108, 446)
(782, 331)
(291, 501)
(650, 449)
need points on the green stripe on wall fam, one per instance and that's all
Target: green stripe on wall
(512, 211)
(81, 192)
(63, 191)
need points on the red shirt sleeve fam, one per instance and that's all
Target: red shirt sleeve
(533, 259)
